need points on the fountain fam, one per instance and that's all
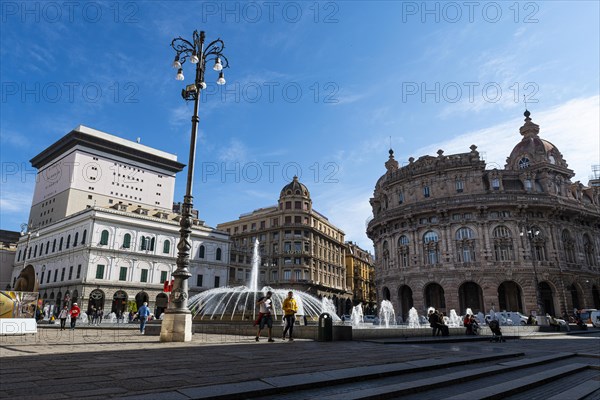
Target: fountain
(239, 303)
(454, 321)
(387, 314)
(357, 315)
(413, 318)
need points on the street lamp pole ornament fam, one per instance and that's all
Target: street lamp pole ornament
(199, 55)
(176, 325)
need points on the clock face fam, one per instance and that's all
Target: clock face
(524, 163)
(551, 159)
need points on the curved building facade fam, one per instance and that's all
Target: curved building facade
(449, 233)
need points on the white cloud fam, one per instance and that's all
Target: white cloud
(348, 208)
(573, 127)
(234, 152)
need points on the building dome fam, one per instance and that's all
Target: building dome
(532, 149)
(295, 188)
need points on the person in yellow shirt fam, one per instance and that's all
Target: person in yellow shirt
(290, 308)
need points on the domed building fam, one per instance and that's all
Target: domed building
(300, 248)
(449, 233)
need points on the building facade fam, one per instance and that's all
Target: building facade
(360, 276)
(451, 234)
(111, 242)
(300, 248)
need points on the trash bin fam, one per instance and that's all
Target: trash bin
(325, 330)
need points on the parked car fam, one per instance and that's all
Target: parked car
(586, 315)
(509, 318)
(595, 317)
(369, 319)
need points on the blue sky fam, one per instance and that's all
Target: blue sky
(314, 88)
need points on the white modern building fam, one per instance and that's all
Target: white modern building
(111, 241)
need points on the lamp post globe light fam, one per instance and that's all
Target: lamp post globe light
(177, 322)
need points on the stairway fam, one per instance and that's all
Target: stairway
(502, 375)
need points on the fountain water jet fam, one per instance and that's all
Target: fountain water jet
(357, 315)
(387, 314)
(413, 318)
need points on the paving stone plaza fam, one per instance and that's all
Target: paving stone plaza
(118, 362)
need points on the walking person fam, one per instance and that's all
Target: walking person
(100, 316)
(64, 313)
(266, 306)
(74, 312)
(143, 314)
(290, 308)
(95, 317)
(90, 314)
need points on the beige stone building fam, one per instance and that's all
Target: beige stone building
(451, 234)
(360, 276)
(300, 248)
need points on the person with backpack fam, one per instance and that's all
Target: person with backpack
(143, 314)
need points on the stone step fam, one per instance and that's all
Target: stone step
(421, 385)
(502, 390)
(578, 392)
(295, 382)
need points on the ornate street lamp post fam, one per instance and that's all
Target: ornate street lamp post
(177, 322)
(532, 233)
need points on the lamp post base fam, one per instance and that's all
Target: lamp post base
(176, 327)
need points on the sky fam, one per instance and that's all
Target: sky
(315, 89)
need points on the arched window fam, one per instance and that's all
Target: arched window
(83, 237)
(47, 246)
(503, 244)
(431, 248)
(403, 250)
(126, 241)
(19, 256)
(68, 242)
(465, 245)
(143, 243)
(76, 240)
(104, 238)
(201, 252)
(167, 247)
(35, 251)
(60, 244)
(54, 245)
(568, 245)
(218, 254)
(152, 242)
